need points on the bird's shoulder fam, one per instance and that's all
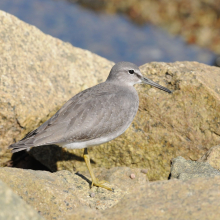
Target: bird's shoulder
(102, 90)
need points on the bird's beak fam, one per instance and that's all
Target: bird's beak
(152, 83)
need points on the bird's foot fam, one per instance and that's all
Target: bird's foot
(96, 182)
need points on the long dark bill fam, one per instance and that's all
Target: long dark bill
(152, 83)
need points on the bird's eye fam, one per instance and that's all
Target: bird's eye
(131, 71)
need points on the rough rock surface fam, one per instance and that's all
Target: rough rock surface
(38, 73)
(37, 69)
(13, 207)
(212, 156)
(174, 199)
(187, 169)
(65, 195)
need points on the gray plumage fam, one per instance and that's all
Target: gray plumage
(93, 116)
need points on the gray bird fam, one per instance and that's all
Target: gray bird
(93, 116)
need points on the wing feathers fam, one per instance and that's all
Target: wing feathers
(86, 116)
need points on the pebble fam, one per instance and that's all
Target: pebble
(144, 171)
(132, 176)
(92, 195)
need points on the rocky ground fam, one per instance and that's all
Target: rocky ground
(193, 192)
(173, 137)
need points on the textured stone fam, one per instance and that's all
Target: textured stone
(212, 156)
(65, 195)
(174, 199)
(13, 207)
(187, 169)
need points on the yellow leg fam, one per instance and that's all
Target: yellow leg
(95, 181)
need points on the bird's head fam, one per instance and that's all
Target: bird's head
(126, 73)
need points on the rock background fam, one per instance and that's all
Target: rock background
(196, 21)
(39, 73)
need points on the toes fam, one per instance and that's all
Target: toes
(100, 184)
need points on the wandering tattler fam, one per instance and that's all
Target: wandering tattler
(93, 116)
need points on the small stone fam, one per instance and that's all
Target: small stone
(132, 176)
(92, 195)
(144, 171)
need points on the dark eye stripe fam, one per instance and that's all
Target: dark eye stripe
(131, 71)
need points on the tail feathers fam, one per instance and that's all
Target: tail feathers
(24, 144)
(19, 147)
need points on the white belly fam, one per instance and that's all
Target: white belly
(94, 142)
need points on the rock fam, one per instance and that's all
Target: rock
(13, 207)
(187, 169)
(65, 195)
(212, 156)
(37, 69)
(174, 199)
(38, 74)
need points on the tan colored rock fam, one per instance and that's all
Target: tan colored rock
(212, 156)
(13, 207)
(65, 195)
(38, 74)
(38, 69)
(174, 199)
